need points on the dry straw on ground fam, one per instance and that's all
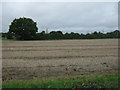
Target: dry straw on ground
(37, 59)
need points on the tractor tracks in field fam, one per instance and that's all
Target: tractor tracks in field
(59, 49)
(57, 57)
(54, 46)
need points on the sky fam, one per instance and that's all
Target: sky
(79, 17)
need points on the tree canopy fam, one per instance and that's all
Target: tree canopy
(22, 29)
(56, 35)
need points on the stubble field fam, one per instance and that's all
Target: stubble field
(27, 60)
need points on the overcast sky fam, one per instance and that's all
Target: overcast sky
(81, 17)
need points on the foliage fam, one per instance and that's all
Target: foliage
(22, 29)
(56, 35)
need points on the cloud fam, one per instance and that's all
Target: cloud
(65, 16)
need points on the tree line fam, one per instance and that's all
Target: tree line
(57, 35)
(26, 29)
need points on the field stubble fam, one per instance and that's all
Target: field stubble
(38, 59)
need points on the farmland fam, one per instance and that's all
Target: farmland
(31, 60)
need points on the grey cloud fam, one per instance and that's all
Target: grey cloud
(68, 17)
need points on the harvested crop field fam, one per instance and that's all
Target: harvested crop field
(27, 60)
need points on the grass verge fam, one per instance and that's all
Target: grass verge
(101, 81)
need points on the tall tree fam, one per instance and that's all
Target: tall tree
(22, 29)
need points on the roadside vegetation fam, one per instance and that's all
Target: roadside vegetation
(101, 81)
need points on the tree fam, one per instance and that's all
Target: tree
(56, 35)
(22, 29)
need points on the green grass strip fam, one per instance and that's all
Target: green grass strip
(101, 81)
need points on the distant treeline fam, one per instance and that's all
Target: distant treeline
(56, 35)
